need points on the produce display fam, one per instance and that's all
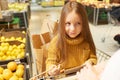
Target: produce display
(12, 71)
(8, 52)
(13, 58)
(59, 2)
(15, 47)
(12, 47)
(17, 6)
(23, 40)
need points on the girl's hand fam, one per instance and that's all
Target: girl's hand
(87, 63)
(54, 70)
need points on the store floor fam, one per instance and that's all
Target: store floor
(102, 34)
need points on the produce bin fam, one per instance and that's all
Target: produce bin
(25, 75)
(28, 57)
(16, 39)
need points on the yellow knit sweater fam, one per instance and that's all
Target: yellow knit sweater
(78, 51)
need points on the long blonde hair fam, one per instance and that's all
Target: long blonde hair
(80, 10)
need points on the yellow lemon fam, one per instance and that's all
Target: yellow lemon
(2, 38)
(12, 66)
(7, 74)
(19, 72)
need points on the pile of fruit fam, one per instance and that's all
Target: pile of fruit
(17, 6)
(12, 71)
(2, 39)
(12, 38)
(8, 52)
(12, 47)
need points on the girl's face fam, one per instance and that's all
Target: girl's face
(73, 25)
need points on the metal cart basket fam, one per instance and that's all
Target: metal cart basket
(102, 56)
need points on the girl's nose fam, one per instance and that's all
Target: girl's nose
(72, 27)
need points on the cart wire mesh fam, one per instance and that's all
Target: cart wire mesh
(102, 56)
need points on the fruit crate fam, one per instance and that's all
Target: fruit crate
(12, 38)
(28, 45)
(59, 2)
(25, 75)
(12, 51)
(18, 32)
(28, 59)
(15, 34)
(17, 29)
(47, 3)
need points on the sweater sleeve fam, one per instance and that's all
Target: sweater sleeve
(89, 55)
(93, 58)
(52, 54)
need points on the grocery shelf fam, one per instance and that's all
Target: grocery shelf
(27, 58)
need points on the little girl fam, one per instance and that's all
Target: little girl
(73, 45)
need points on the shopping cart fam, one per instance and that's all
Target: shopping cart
(102, 56)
